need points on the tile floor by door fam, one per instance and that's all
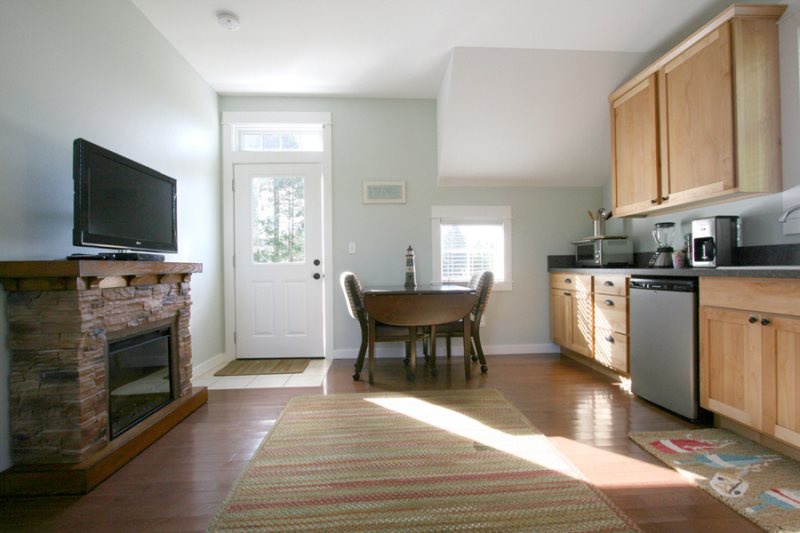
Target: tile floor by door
(312, 376)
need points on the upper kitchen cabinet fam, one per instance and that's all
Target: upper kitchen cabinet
(702, 124)
(634, 145)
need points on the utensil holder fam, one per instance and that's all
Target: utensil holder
(599, 227)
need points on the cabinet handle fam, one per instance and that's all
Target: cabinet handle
(609, 283)
(752, 319)
(610, 339)
(567, 294)
(664, 198)
(654, 201)
(567, 281)
(609, 302)
(765, 321)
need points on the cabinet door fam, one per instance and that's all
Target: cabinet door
(582, 325)
(634, 149)
(697, 135)
(560, 316)
(782, 378)
(731, 382)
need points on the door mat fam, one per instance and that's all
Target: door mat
(425, 461)
(260, 367)
(757, 482)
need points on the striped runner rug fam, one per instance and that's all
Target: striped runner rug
(261, 367)
(424, 461)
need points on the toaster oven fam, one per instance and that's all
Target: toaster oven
(604, 252)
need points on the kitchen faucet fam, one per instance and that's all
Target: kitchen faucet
(788, 212)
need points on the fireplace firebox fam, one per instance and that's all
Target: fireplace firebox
(139, 378)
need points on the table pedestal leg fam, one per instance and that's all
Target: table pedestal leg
(432, 355)
(371, 352)
(467, 346)
(412, 354)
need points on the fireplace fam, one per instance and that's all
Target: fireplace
(139, 377)
(101, 367)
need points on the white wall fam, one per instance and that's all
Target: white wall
(383, 139)
(98, 69)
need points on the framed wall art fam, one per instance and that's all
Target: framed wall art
(384, 192)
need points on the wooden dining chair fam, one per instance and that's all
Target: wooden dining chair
(353, 292)
(483, 284)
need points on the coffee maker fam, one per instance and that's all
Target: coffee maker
(713, 241)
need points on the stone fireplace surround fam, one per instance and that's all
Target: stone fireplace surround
(61, 315)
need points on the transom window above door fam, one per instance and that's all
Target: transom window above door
(279, 138)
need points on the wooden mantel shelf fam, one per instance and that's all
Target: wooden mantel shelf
(81, 275)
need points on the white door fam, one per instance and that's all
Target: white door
(278, 247)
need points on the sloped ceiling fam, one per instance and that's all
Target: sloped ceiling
(528, 117)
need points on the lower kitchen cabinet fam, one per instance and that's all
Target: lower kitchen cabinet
(611, 321)
(571, 312)
(782, 360)
(731, 364)
(750, 353)
(589, 316)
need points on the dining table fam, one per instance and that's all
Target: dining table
(428, 305)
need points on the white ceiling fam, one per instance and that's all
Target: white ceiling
(397, 48)
(522, 85)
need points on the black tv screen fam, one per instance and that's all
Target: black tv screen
(120, 203)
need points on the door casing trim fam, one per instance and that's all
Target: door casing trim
(230, 158)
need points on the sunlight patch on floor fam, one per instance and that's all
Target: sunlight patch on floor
(533, 447)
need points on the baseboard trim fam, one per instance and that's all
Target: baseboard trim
(210, 365)
(393, 350)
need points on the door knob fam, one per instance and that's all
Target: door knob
(609, 302)
(316, 275)
(568, 281)
(610, 339)
(316, 262)
(765, 322)
(752, 319)
(664, 198)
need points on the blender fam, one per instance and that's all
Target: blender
(663, 234)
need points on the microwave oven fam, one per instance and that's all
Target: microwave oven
(604, 252)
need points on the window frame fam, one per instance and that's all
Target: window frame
(479, 214)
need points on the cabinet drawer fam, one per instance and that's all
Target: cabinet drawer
(611, 312)
(575, 282)
(765, 295)
(611, 349)
(614, 284)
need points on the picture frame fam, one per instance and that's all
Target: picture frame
(384, 192)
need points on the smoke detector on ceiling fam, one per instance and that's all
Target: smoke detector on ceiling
(228, 20)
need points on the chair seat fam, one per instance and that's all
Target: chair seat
(385, 331)
(450, 327)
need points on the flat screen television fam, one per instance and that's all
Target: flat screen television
(122, 204)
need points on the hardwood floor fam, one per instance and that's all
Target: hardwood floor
(178, 483)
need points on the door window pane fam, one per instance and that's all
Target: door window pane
(278, 219)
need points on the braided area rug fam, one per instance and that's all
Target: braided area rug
(428, 461)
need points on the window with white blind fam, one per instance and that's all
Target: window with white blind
(471, 239)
